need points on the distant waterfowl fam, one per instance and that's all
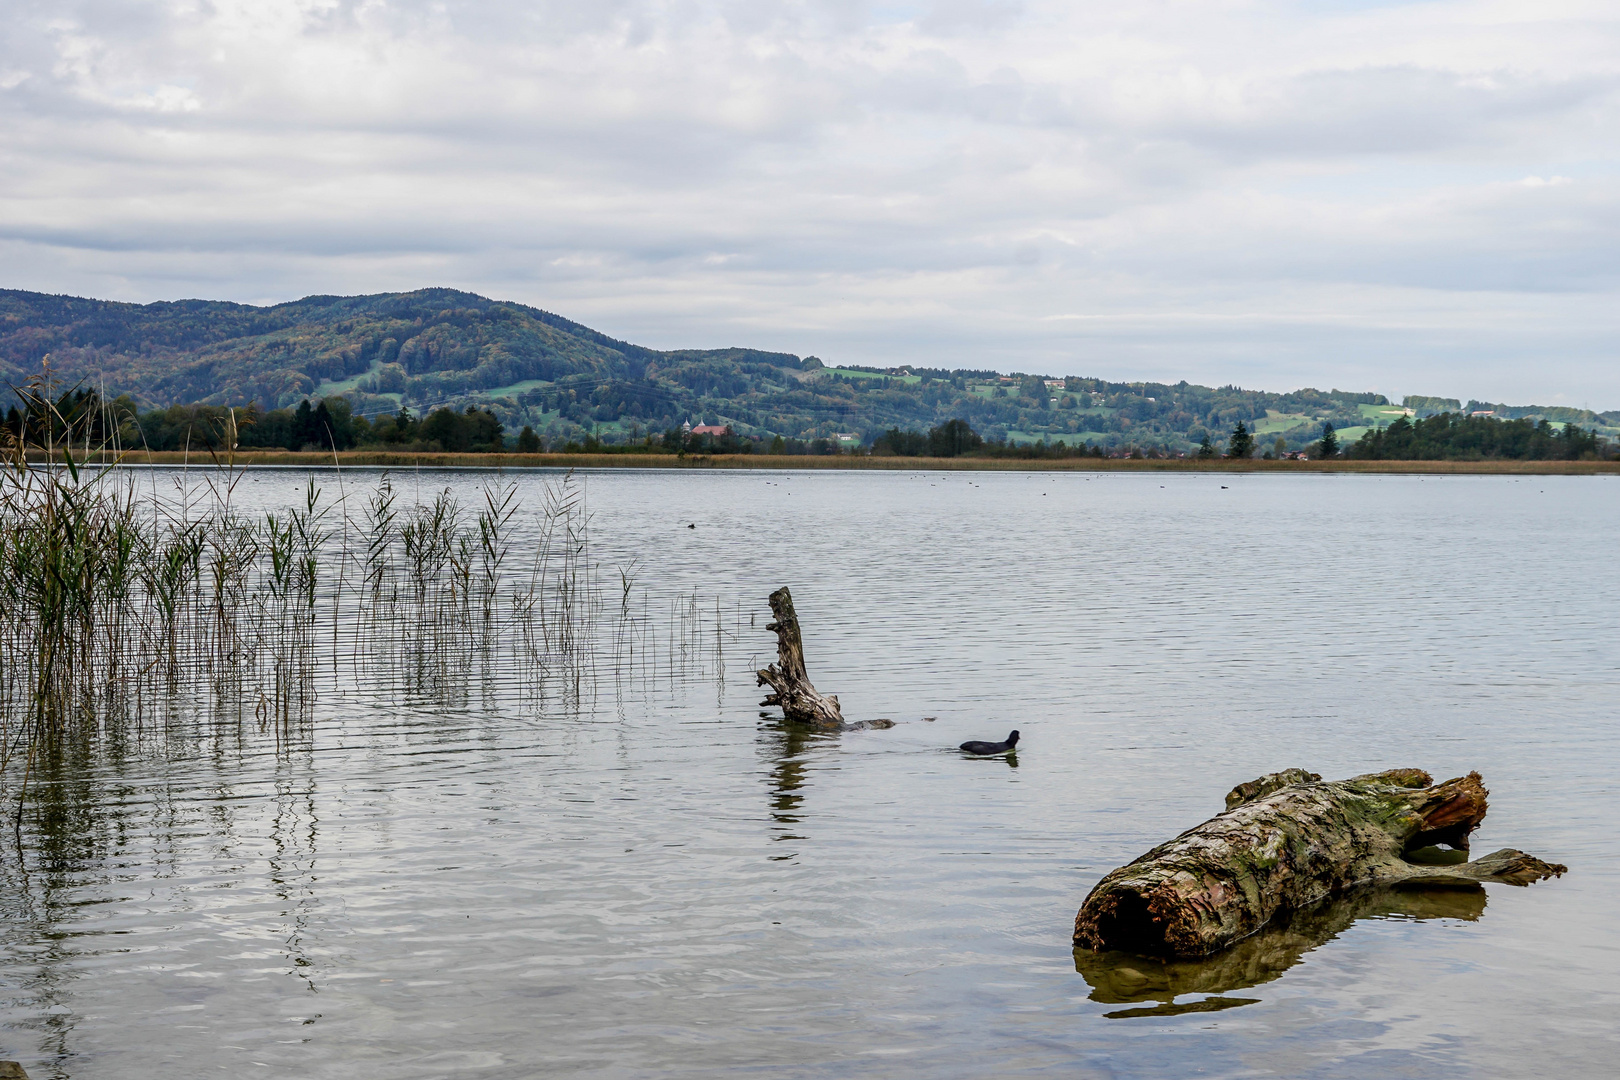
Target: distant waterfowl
(986, 749)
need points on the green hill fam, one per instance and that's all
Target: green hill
(438, 347)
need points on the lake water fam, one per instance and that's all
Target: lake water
(665, 883)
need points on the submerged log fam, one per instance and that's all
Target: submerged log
(1287, 841)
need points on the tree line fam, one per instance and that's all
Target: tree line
(1456, 437)
(80, 416)
(1445, 436)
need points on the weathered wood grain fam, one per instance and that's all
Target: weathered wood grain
(1287, 841)
(791, 688)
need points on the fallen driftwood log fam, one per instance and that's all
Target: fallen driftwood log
(801, 702)
(1287, 841)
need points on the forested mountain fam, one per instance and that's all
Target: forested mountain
(428, 346)
(434, 347)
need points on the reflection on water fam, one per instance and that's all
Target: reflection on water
(1118, 978)
(474, 870)
(292, 865)
(785, 746)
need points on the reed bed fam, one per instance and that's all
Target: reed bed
(127, 608)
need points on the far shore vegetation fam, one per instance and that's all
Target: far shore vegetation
(442, 371)
(328, 430)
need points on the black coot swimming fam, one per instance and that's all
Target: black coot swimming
(983, 749)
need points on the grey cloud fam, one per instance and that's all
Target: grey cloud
(1391, 110)
(972, 16)
(947, 180)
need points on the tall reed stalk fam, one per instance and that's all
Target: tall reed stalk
(125, 609)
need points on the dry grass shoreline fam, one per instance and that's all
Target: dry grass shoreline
(398, 460)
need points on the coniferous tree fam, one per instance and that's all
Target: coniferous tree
(1329, 444)
(303, 429)
(1206, 449)
(322, 425)
(1241, 444)
(406, 426)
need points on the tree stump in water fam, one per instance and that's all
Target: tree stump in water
(801, 702)
(1287, 841)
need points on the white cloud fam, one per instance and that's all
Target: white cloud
(1419, 196)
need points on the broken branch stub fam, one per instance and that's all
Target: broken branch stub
(801, 702)
(1287, 841)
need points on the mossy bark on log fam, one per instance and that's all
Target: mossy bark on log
(1285, 843)
(791, 688)
(1266, 784)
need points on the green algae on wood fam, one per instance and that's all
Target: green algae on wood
(1287, 841)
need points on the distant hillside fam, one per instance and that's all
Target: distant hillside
(428, 345)
(442, 347)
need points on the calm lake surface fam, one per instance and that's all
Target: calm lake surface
(665, 883)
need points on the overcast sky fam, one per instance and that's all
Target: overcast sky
(1406, 197)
